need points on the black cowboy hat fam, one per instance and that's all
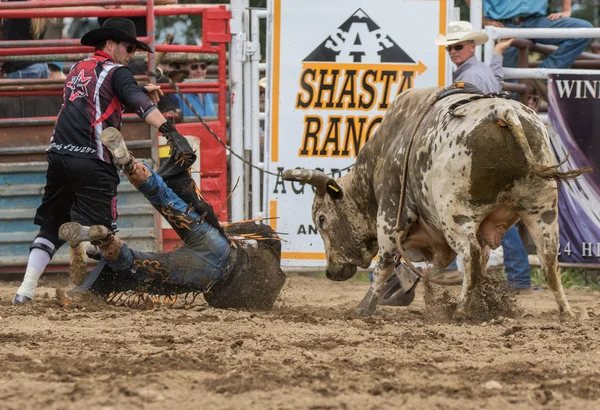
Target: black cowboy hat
(116, 29)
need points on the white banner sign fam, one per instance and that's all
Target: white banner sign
(336, 68)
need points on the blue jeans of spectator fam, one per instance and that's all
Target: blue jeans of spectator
(39, 70)
(453, 265)
(568, 48)
(516, 262)
(198, 264)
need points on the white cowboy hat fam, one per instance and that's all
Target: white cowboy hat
(459, 31)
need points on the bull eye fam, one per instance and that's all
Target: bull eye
(322, 221)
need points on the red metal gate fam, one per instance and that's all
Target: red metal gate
(215, 37)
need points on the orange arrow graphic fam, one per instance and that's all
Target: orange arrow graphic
(419, 68)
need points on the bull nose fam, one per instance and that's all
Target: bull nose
(345, 273)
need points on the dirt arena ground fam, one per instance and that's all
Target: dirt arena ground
(309, 353)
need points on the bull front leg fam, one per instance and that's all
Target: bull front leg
(381, 274)
(472, 259)
(383, 270)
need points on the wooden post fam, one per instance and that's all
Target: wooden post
(523, 62)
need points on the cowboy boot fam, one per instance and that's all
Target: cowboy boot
(138, 173)
(100, 235)
(113, 140)
(111, 248)
(135, 171)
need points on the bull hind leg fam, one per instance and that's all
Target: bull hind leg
(545, 236)
(473, 256)
(485, 257)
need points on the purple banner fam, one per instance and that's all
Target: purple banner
(574, 113)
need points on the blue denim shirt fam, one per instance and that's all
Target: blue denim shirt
(508, 9)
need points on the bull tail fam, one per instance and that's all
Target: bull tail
(510, 118)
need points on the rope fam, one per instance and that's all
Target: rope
(159, 74)
(460, 103)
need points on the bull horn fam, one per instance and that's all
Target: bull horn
(314, 177)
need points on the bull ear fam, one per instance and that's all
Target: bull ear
(334, 190)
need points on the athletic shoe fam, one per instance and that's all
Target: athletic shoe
(113, 140)
(75, 233)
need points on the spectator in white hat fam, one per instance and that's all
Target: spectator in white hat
(460, 43)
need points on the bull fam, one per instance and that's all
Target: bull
(440, 179)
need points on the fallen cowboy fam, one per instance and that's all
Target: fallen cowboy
(231, 274)
(466, 167)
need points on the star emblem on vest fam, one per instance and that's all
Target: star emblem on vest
(78, 86)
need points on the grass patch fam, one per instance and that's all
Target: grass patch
(571, 278)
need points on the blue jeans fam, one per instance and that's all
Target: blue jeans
(39, 70)
(516, 262)
(568, 48)
(198, 264)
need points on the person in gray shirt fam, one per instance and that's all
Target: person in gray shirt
(460, 43)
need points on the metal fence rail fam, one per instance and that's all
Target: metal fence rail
(21, 189)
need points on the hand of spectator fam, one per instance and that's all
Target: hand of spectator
(487, 22)
(502, 45)
(154, 92)
(562, 14)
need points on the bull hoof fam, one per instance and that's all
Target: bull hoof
(362, 311)
(460, 314)
(368, 305)
(568, 314)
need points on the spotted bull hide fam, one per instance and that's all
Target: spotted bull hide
(470, 177)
